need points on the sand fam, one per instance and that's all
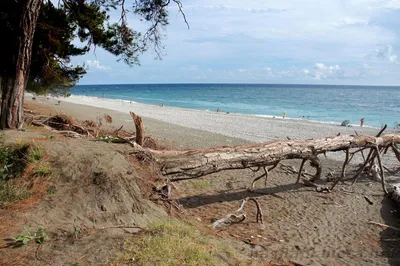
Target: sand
(248, 127)
(190, 128)
(301, 225)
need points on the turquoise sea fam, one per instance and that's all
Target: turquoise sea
(378, 105)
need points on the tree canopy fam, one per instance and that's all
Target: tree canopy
(59, 27)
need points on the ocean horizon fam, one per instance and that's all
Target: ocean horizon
(378, 105)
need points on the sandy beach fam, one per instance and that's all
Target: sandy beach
(301, 225)
(248, 127)
(190, 128)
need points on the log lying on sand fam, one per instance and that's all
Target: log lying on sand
(196, 163)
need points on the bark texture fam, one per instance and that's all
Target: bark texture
(196, 163)
(14, 82)
(139, 128)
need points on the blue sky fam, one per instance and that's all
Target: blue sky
(261, 41)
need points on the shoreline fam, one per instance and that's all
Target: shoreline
(191, 129)
(254, 128)
(230, 112)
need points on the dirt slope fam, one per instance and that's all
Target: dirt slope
(92, 185)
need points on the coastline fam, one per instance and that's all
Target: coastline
(251, 128)
(287, 205)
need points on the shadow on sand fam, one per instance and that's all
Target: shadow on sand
(229, 195)
(390, 238)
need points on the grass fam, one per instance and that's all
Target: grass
(10, 193)
(12, 161)
(201, 184)
(2, 136)
(170, 243)
(35, 153)
(43, 170)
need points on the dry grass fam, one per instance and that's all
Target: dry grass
(10, 193)
(170, 243)
(43, 169)
(35, 153)
(201, 184)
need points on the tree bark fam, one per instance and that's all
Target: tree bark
(13, 84)
(139, 128)
(195, 163)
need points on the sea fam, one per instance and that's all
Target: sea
(378, 105)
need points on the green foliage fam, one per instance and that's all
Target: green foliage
(10, 193)
(170, 243)
(58, 26)
(12, 161)
(38, 236)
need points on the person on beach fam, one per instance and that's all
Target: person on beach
(284, 114)
(361, 122)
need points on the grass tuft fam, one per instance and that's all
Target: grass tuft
(201, 184)
(170, 243)
(35, 153)
(10, 193)
(12, 160)
(43, 170)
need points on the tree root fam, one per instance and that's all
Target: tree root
(238, 216)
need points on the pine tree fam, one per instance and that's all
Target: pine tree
(37, 43)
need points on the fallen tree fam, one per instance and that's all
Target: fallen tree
(188, 164)
(179, 165)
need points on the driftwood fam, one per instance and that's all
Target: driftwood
(196, 163)
(139, 128)
(239, 215)
(395, 196)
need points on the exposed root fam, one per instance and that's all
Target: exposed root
(300, 170)
(266, 171)
(238, 216)
(342, 175)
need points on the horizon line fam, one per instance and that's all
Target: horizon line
(238, 83)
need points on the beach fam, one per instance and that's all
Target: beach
(301, 224)
(247, 127)
(190, 128)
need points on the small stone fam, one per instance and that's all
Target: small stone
(103, 207)
(129, 172)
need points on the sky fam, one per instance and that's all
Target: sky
(354, 42)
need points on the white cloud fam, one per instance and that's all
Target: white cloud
(277, 41)
(351, 22)
(385, 54)
(321, 71)
(96, 65)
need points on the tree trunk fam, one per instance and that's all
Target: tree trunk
(139, 128)
(13, 84)
(196, 163)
